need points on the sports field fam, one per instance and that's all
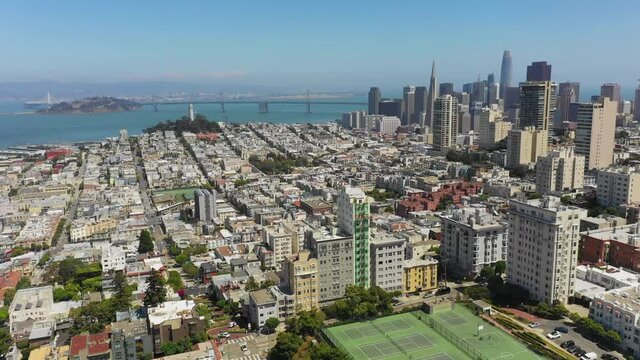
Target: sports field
(449, 334)
(187, 193)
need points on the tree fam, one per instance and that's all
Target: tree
(175, 281)
(156, 293)
(67, 270)
(500, 267)
(145, 244)
(323, 351)
(306, 322)
(9, 294)
(251, 284)
(5, 341)
(486, 272)
(271, 324)
(121, 295)
(287, 345)
(182, 258)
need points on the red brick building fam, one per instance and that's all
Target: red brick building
(614, 246)
(430, 200)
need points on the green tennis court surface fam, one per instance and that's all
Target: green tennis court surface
(449, 334)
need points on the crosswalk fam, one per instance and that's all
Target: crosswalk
(241, 340)
(248, 357)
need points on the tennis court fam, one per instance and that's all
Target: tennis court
(490, 341)
(450, 333)
(396, 337)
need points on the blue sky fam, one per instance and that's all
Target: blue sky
(323, 44)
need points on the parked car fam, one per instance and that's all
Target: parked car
(232, 324)
(589, 356)
(608, 357)
(554, 335)
(576, 350)
(443, 291)
(534, 325)
(571, 349)
(580, 354)
(561, 329)
(568, 344)
(224, 334)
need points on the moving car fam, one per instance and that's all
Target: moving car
(554, 335)
(224, 334)
(534, 325)
(243, 347)
(443, 291)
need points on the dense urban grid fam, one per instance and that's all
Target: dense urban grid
(502, 221)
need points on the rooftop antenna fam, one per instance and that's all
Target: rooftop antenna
(308, 103)
(222, 102)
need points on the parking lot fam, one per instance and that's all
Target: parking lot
(547, 326)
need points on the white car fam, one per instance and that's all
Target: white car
(225, 334)
(534, 325)
(232, 324)
(554, 335)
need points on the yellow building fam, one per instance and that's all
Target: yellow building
(420, 275)
(301, 274)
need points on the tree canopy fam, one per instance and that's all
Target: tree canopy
(360, 303)
(145, 244)
(156, 292)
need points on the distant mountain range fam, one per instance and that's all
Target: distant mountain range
(24, 91)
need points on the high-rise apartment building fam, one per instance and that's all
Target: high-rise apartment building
(408, 100)
(433, 95)
(539, 71)
(618, 186)
(205, 205)
(568, 93)
(537, 104)
(543, 247)
(525, 146)
(560, 170)
(355, 120)
(281, 241)
(445, 122)
(335, 262)
(473, 238)
(612, 91)
(387, 257)
(353, 220)
(374, 98)
(491, 129)
(301, 276)
(595, 132)
(505, 73)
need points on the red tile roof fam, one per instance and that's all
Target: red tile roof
(94, 344)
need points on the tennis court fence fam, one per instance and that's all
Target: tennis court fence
(451, 336)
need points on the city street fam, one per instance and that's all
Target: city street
(258, 346)
(150, 212)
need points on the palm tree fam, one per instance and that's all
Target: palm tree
(251, 284)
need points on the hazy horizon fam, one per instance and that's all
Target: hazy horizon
(324, 46)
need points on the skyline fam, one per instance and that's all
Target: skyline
(324, 47)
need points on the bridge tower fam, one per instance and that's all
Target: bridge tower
(308, 103)
(222, 102)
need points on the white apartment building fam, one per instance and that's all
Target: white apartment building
(560, 170)
(113, 258)
(618, 186)
(387, 257)
(30, 306)
(619, 310)
(473, 238)
(445, 122)
(543, 247)
(280, 240)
